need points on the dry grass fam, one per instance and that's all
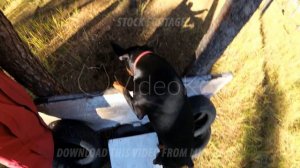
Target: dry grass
(258, 112)
(258, 121)
(47, 25)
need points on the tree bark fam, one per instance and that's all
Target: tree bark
(233, 16)
(20, 63)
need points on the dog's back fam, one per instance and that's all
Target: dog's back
(160, 94)
(163, 97)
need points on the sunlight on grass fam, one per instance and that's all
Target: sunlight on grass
(39, 29)
(48, 28)
(39, 32)
(258, 112)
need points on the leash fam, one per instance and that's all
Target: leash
(140, 57)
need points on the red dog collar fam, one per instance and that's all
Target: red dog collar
(140, 57)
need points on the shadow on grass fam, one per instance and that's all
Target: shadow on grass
(178, 44)
(51, 8)
(78, 53)
(55, 4)
(175, 43)
(232, 18)
(261, 144)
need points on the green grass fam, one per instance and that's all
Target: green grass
(39, 31)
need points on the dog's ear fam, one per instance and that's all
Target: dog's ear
(117, 49)
(121, 52)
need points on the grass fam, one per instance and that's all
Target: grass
(38, 30)
(258, 112)
(258, 119)
(45, 27)
(142, 6)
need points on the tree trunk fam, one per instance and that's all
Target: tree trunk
(19, 62)
(233, 16)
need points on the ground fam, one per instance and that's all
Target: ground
(258, 119)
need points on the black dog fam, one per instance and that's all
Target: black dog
(160, 94)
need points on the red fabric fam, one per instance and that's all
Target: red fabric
(25, 141)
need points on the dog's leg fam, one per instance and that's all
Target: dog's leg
(118, 86)
(134, 106)
(125, 92)
(128, 98)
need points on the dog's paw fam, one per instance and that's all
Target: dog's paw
(157, 160)
(118, 86)
(161, 146)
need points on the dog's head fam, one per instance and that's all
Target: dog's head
(128, 55)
